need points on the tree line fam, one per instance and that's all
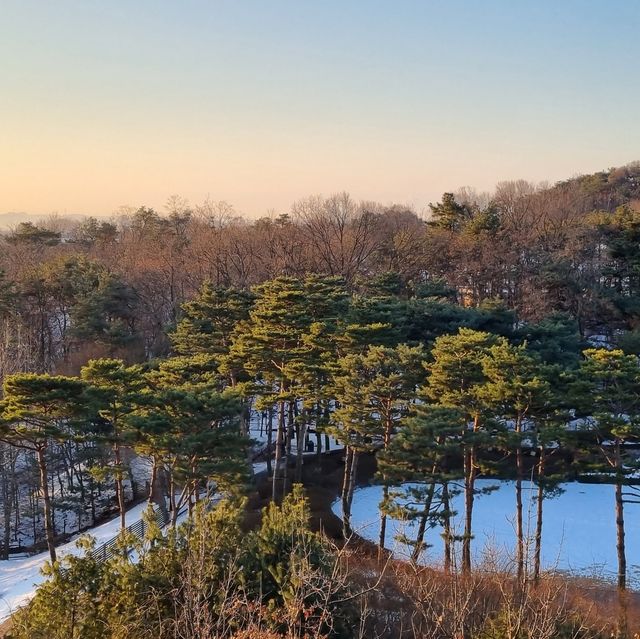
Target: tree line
(437, 392)
(176, 417)
(76, 290)
(448, 347)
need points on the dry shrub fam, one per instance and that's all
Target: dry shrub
(420, 602)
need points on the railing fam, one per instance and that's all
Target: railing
(109, 549)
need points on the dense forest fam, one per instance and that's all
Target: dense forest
(498, 337)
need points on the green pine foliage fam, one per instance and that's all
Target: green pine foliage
(282, 577)
(209, 320)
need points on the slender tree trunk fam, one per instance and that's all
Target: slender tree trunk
(7, 502)
(539, 512)
(622, 563)
(301, 437)
(52, 505)
(48, 522)
(318, 435)
(469, 494)
(422, 526)
(158, 489)
(470, 472)
(269, 440)
(119, 485)
(92, 499)
(278, 452)
(388, 427)
(245, 416)
(153, 480)
(285, 482)
(447, 527)
(33, 502)
(620, 545)
(383, 520)
(172, 499)
(345, 491)
(133, 482)
(519, 519)
(353, 469)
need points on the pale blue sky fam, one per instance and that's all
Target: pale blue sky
(259, 103)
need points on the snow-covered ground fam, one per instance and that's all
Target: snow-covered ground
(70, 513)
(578, 534)
(19, 577)
(258, 431)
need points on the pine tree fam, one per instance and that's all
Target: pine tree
(327, 302)
(35, 411)
(373, 391)
(115, 388)
(209, 320)
(550, 434)
(456, 379)
(610, 382)
(448, 214)
(192, 433)
(270, 347)
(517, 390)
(420, 455)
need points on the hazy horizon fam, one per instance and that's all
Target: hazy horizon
(260, 104)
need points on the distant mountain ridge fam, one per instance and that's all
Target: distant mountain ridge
(12, 218)
(603, 190)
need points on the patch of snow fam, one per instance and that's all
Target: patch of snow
(20, 577)
(579, 533)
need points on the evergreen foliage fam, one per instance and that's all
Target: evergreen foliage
(199, 580)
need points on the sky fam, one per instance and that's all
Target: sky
(117, 103)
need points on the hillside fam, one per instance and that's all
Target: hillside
(341, 402)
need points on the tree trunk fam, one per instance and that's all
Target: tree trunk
(48, 522)
(153, 481)
(245, 417)
(278, 451)
(383, 520)
(290, 420)
(620, 546)
(9, 488)
(269, 440)
(622, 564)
(172, 499)
(447, 527)
(119, 485)
(519, 522)
(388, 428)
(52, 506)
(469, 494)
(352, 481)
(348, 487)
(301, 442)
(622, 560)
(539, 511)
(422, 526)
(318, 434)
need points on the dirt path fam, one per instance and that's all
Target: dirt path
(322, 479)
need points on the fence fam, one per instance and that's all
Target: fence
(107, 550)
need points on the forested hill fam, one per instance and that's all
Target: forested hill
(172, 356)
(72, 289)
(604, 190)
